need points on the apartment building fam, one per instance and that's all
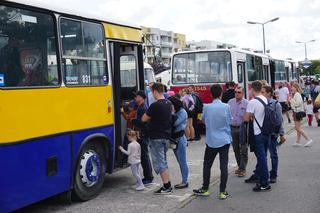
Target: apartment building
(208, 44)
(160, 44)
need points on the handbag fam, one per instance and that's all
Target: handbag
(300, 115)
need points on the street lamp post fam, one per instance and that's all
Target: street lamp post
(263, 34)
(306, 61)
(305, 46)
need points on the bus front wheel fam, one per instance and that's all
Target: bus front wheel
(90, 171)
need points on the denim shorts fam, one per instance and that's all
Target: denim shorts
(158, 151)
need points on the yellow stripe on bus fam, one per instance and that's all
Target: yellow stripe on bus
(30, 113)
(122, 33)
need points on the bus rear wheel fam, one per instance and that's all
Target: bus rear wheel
(90, 171)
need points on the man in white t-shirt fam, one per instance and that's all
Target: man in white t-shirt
(255, 112)
(284, 99)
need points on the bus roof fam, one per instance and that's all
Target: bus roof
(64, 10)
(206, 50)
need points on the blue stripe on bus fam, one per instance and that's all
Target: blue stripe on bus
(23, 178)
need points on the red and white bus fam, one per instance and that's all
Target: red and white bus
(285, 71)
(206, 67)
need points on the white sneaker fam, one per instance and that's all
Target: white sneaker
(140, 188)
(308, 143)
(297, 144)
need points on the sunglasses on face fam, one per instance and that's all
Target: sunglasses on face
(238, 92)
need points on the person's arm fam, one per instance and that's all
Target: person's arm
(294, 101)
(124, 151)
(180, 119)
(279, 113)
(124, 114)
(288, 96)
(317, 101)
(229, 116)
(203, 114)
(249, 112)
(147, 116)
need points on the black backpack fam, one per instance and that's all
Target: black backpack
(271, 122)
(198, 104)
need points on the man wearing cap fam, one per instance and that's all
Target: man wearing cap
(140, 97)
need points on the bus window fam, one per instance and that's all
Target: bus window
(240, 72)
(84, 61)
(280, 72)
(259, 68)
(201, 67)
(27, 49)
(266, 72)
(254, 68)
(128, 76)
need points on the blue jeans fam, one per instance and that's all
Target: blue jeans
(261, 147)
(181, 155)
(145, 159)
(158, 151)
(274, 157)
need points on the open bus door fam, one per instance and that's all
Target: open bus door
(128, 77)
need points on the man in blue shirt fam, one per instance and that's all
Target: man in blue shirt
(217, 118)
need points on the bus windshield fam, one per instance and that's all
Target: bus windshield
(202, 67)
(149, 75)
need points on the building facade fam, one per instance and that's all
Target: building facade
(208, 44)
(160, 44)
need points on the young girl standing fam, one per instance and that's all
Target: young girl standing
(134, 153)
(309, 111)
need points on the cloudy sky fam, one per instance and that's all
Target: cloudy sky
(222, 20)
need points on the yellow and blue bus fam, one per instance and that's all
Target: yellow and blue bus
(62, 84)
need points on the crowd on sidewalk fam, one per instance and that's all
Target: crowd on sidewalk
(165, 120)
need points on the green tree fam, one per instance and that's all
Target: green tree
(314, 69)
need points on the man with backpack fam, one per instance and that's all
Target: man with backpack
(267, 91)
(198, 109)
(265, 122)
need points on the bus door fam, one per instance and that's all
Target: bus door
(266, 73)
(287, 73)
(241, 76)
(128, 77)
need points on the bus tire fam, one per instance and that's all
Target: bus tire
(90, 172)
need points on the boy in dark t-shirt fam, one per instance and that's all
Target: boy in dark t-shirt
(159, 116)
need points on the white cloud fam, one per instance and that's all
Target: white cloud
(222, 20)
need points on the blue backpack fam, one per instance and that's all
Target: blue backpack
(271, 122)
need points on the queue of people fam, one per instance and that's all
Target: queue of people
(258, 124)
